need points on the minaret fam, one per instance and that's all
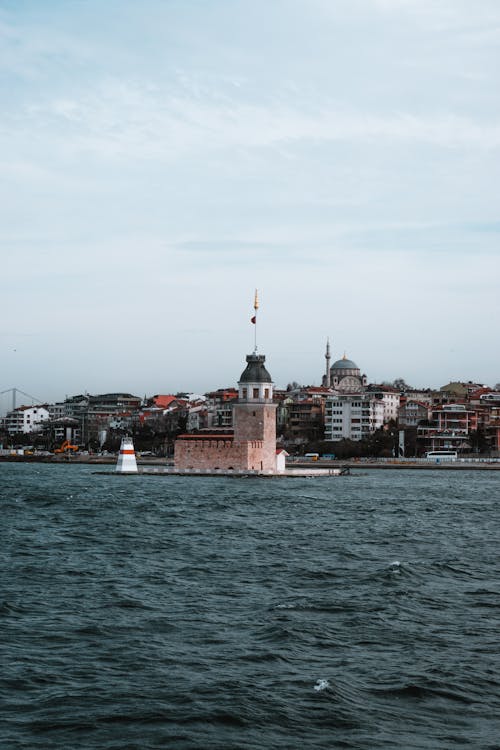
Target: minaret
(327, 357)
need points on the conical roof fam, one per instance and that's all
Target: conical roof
(255, 371)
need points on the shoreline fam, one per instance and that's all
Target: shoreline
(368, 464)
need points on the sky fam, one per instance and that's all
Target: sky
(160, 160)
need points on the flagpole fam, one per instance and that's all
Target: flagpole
(255, 307)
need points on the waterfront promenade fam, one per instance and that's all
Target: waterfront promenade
(408, 463)
(299, 462)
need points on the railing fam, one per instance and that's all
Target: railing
(431, 460)
(444, 434)
(401, 460)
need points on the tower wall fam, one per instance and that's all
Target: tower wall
(257, 422)
(208, 455)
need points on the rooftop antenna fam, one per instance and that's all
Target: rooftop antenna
(254, 319)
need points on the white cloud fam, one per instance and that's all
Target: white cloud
(137, 121)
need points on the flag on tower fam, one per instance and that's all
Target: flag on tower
(253, 319)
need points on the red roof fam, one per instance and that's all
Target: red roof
(481, 392)
(224, 394)
(163, 401)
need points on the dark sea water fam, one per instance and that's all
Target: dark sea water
(152, 612)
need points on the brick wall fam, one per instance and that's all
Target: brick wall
(208, 455)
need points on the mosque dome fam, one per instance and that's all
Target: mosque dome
(344, 364)
(255, 371)
(346, 376)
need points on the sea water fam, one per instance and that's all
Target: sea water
(145, 612)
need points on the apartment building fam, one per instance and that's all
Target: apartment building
(411, 412)
(352, 416)
(26, 419)
(448, 428)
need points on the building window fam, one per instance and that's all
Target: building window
(255, 393)
(244, 392)
(266, 393)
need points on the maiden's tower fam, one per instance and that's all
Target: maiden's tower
(251, 446)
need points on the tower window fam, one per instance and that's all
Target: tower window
(244, 392)
(256, 393)
(266, 393)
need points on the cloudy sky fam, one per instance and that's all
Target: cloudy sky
(161, 159)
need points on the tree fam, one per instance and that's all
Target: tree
(381, 443)
(401, 384)
(478, 441)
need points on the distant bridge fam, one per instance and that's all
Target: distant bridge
(14, 392)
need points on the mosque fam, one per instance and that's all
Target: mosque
(344, 375)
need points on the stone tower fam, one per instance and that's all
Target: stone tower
(254, 414)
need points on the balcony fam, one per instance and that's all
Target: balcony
(436, 432)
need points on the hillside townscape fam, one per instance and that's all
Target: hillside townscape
(347, 416)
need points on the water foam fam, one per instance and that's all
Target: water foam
(321, 685)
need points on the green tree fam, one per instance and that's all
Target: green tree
(478, 441)
(401, 385)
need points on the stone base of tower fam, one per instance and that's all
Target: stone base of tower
(212, 452)
(255, 423)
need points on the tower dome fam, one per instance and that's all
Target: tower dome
(255, 371)
(255, 382)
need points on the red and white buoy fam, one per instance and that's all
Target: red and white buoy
(126, 463)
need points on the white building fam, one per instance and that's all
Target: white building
(390, 399)
(26, 419)
(353, 416)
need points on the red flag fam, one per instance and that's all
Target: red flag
(254, 319)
